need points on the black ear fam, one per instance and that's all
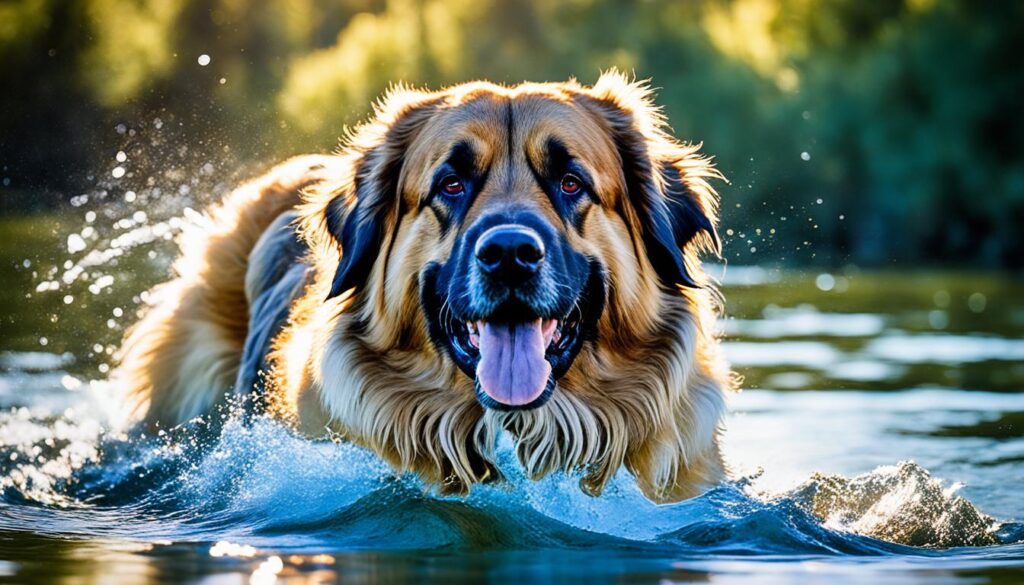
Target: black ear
(359, 213)
(674, 204)
(665, 180)
(662, 250)
(674, 220)
(361, 236)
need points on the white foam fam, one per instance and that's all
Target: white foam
(34, 360)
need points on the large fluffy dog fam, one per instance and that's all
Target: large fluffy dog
(475, 260)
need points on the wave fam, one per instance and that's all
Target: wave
(231, 479)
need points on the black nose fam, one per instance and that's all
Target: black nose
(511, 254)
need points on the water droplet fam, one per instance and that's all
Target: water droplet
(805, 155)
(121, 156)
(118, 172)
(70, 382)
(129, 196)
(825, 282)
(75, 244)
(204, 60)
(976, 302)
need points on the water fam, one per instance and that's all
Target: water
(879, 438)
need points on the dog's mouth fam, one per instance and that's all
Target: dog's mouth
(555, 336)
(514, 354)
(514, 359)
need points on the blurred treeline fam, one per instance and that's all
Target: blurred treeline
(852, 131)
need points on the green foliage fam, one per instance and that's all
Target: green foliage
(851, 131)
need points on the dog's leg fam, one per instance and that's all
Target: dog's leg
(275, 278)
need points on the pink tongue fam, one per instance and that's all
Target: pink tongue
(512, 367)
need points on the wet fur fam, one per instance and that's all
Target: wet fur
(648, 395)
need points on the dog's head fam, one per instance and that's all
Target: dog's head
(531, 236)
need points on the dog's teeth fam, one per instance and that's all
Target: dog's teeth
(550, 330)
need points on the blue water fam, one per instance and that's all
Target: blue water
(251, 498)
(879, 439)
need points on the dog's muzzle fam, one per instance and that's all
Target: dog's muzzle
(512, 306)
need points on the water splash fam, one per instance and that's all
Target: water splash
(256, 483)
(899, 503)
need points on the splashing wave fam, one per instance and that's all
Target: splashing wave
(257, 483)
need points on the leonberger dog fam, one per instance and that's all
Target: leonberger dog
(474, 261)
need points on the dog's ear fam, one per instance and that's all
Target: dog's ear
(667, 182)
(357, 213)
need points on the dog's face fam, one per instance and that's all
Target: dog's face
(527, 235)
(519, 287)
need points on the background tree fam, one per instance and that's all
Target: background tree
(865, 132)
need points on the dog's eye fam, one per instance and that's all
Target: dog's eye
(452, 185)
(571, 185)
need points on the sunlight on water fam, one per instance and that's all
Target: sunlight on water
(805, 320)
(881, 446)
(255, 483)
(898, 503)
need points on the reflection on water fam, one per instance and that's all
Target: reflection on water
(882, 424)
(258, 499)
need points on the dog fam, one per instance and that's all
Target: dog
(474, 261)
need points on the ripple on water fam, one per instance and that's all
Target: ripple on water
(258, 484)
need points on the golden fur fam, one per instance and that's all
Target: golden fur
(648, 395)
